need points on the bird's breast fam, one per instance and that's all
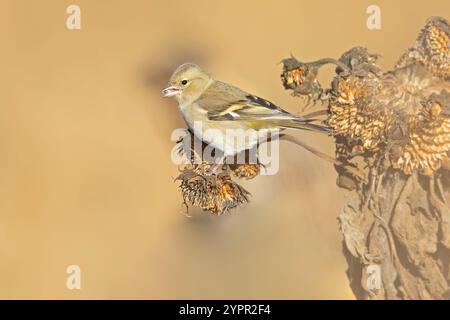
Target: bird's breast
(230, 137)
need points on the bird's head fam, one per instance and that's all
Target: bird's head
(187, 83)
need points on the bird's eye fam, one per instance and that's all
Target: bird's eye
(184, 82)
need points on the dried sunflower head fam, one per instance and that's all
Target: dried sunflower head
(355, 114)
(301, 78)
(428, 144)
(404, 89)
(294, 74)
(432, 48)
(367, 109)
(214, 193)
(420, 100)
(245, 171)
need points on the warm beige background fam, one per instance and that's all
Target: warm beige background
(85, 170)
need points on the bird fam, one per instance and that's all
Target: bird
(212, 109)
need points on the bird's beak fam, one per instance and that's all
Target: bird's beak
(170, 91)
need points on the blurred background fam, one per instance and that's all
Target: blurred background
(86, 176)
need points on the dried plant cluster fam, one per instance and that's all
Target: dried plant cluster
(216, 193)
(392, 135)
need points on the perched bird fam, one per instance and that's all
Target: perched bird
(216, 107)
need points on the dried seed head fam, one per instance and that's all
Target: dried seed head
(418, 98)
(214, 193)
(293, 78)
(354, 114)
(404, 89)
(432, 48)
(428, 143)
(301, 78)
(245, 171)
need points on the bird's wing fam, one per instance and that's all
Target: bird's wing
(225, 102)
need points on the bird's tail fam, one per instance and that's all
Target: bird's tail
(304, 124)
